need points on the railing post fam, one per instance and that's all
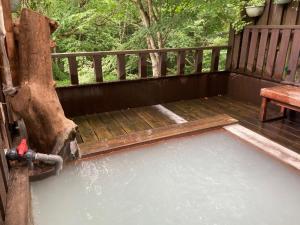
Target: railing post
(142, 65)
(73, 70)
(163, 64)
(180, 62)
(229, 50)
(215, 59)
(97, 59)
(121, 66)
(198, 61)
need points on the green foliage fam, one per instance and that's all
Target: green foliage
(256, 3)
(98, 25)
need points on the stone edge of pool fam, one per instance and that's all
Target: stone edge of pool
(268, 146)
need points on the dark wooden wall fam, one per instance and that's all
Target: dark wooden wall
(80, 100)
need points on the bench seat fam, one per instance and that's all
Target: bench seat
(285, 96)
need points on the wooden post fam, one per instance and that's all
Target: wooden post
(121, 64)
(215, 60)
(162, 64)
(142, 65)
(73, 68)
(198, 61)
(97, 59)
(229, 51)
(180, 62)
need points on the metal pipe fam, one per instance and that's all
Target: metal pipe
(52, 159)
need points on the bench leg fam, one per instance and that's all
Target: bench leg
(283, 111)
(263, 109)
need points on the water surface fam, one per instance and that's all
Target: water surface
(208, 179)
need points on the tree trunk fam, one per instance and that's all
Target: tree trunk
(148, 17)
(36, 102)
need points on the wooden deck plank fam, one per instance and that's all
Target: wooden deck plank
(99, 127)
(252, 122)
(153, 117)
(189, 108)
(128, 125)
(175, 107)
(198, 107)
(86, 131)
(283, 124)
(252, 116)
(277, 125)
(144, 118)
(134, 118)
(111, 125)
(96, 148)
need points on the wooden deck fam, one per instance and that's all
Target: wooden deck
(109, 126)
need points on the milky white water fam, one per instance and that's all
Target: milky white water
(208, 179)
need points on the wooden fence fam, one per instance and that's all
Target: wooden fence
(143, 56)
(280, 14)
(269, 52)
(4, 174)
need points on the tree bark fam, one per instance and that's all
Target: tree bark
(149, 17)
(49, 131)
(10, 40)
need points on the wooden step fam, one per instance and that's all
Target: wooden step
(100, 147)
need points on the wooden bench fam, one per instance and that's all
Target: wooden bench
(285, 96)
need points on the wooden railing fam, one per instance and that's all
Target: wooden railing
(143, 56)
(268, 52)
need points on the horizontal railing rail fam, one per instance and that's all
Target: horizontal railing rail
(268, 52)
(143, 56)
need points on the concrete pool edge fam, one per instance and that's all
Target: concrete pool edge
(266, 145)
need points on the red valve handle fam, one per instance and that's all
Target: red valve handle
(22, 147)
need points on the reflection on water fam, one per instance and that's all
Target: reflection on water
(205, 179)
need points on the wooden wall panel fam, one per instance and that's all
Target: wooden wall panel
(261, 51)
(103, 97)
(271, 53)
(276, 14)
(294, 57)
(244, 49)
(236, 51)
(281, 55)
(252, 51)
(264, 49)
(291, 13)
(263, 20)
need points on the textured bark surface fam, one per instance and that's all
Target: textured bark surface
(36, 102)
